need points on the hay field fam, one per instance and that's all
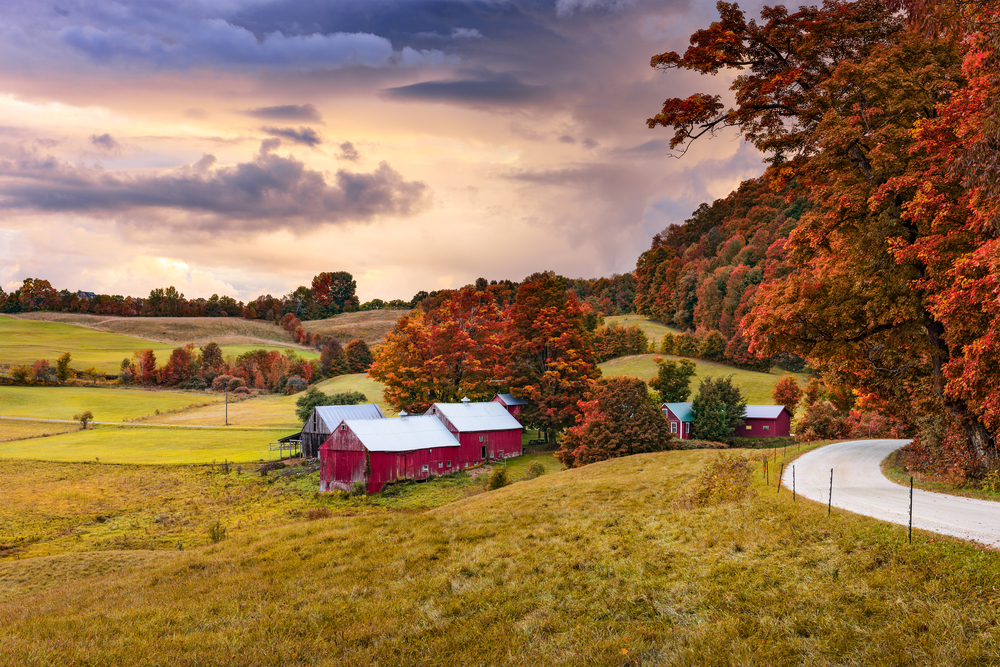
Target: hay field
(148, 445)
(601, 565)
(652, 328)
(11, 429)
(109, 404)
(177, 330)
(756, 387)
(370, 326)
(22, 341)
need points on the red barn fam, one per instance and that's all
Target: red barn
(484, 430)
(379, 451)
(513, 404)
(679, 416)
(765, 421)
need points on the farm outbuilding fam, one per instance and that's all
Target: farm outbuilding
(325, 418)
(378, 451)
(765, 421)
(484, 430)
(679, 416)
(513, 404)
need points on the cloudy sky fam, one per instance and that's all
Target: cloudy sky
(242, 146)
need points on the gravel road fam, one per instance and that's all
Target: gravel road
(859, 486)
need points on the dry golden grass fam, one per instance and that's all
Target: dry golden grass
(370, 326)
(178, 330)
(15, 429)
(19, 578)
(595, 566)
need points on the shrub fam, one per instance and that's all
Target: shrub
(242, 391)
(295, 384)
(359, 488)
(822, 421)
(536, 469)
(217, 532)
(318, 513)
(726, 478)
(236, 383)
(499, 478)
(84, 417)
(195, 383)
(221, 382)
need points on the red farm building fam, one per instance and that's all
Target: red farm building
(379, 451)
(765, 421)
(484, 430)
(325, 418)
(513, 404)
(679, 416)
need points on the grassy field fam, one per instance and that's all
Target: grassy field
(109, 404)
(20, 430)
(370, 326)
(113, 444)
(177, 330)
(601, 565)
(756, 387)
(23, 341)
(652, 328)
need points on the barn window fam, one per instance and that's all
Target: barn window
(687, 427)
(449, 464)
(767, 428)
(425, 469)
(673, 427)
(343, 427)
(750, 428)
(480, 438)
(440, 465)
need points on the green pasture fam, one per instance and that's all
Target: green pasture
(24, 341)
(114, 444)
(756, 387)
(652, 328)
(272, 410)
(109, 404)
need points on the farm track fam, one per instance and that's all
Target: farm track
(860, 487)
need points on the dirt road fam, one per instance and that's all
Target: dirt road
(859, 486)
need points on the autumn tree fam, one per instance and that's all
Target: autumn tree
(359, 356)
(551, 362)
(718, 409)
(617, 420)
(332, 359)
(787, 392)
(84, 418)
(673, 379)
(62, 366)
(35, 294)
(335, 292)
(211, 358)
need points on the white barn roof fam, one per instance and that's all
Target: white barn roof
(468, 417)
(510, 399)
(332, 415)
(405, 434)
(764, 411)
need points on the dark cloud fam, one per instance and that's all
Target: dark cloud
(565, 139)
(484, 88)
(106, 142)
(266, 193)
(304, 135)
(286, 112)
(349, 152)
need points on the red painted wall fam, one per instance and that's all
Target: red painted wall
(781, 426)
(508, 442)
(678, 425)
(341, 461)
(514, 410)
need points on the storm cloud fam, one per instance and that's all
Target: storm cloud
(265, 192)
(484, 88)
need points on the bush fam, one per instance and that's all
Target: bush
(221, 382)
(295, 384)
(536, 469)
(318, 513)
(359, 488)
(195, 383)
(499, 478)
(236, 383)
(726, 478)
(217, 532)
(822, 421)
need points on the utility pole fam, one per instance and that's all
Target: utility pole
(227, 405)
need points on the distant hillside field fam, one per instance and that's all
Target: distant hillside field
(652, 328)
(370, 326)
(756, 387)
(22, 341)
(601, 565)
(111, 404)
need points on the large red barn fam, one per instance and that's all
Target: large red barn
(513, 404)
(378, 451)
(484, 430)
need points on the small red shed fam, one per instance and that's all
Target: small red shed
(679, 416)
(513, 404)
(765, 421)
(484, 430)
(379, 451)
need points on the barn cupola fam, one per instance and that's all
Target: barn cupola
(404, 413)
(466, 401)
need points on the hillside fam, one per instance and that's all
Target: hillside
(370, 326)
(756, 387)
(25, 339)
(654, 329)
(600, 565)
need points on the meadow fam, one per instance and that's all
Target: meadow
(370, 326)
(148, 445)
(603, 565)
(756, 387)
(108, 404)
(22, 341)
(652, 328)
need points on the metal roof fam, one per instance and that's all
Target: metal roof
(764, 411)
(332, 415)
(681, 410)
(405, 434)
(510, 399)
(468, 417)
